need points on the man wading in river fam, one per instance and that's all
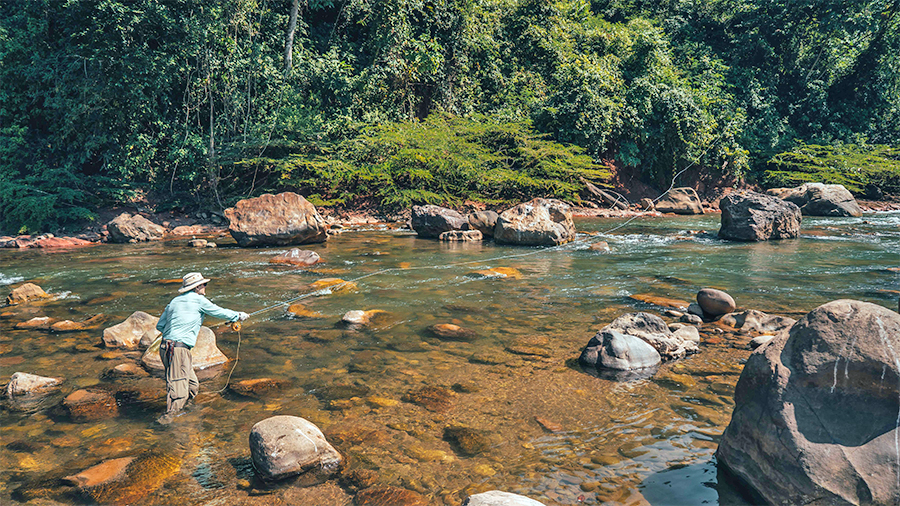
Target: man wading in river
(180, 323)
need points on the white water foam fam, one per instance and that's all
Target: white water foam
(8, 280)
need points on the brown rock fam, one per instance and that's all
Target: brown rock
(25, 293)
(335, 285)
(540, 222)
(385, 495)
(680, 201)
(139, 329)
(110, 470)
(23, 383)
(286, 218)
(461, 236)
(601, 246)
(258, 387)
(715, 302)
(205, 354)
(60, 242)
(127, 228)
(430, 221)
(431, 398)
(70, 326)
(301, 311)
(450, 332)
(498, 272)
(128, 370)
(466, 440)
(90, 404)
(126, 480)
(198, 243)
(660, 301)
(296, 257)
(37, 323)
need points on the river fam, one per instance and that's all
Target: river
(553, 432)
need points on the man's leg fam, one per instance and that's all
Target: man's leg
(178, 377)
(193, 383)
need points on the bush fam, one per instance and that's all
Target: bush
(854, 166)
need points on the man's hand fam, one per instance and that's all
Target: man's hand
(242, 316)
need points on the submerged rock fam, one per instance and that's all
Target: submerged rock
(22, 383)
(466, 440)
(430, 221)
(258, 387)
(655, 332)
(334, 285)
(72, 326)
(358, 318)
(127, 228)
(620, 352)
(748, 216)
(385, 495)
(284, 446)
(26, 292)
(139, 329)
(204, 355)
(498, 498)
(90, 404)
(431, 398)
(540, 222)
(126, 480)
(815, 416)
(757, 322)
(276, 220)
(451, 332)
(36, 323)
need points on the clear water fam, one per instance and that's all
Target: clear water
(597, 442)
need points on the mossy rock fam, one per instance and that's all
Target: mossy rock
(384, 495)
(431, 398)
(466, 440)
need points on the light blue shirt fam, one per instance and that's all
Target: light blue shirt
(182, 318)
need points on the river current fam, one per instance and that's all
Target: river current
(551, 431)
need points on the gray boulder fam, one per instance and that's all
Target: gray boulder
(284, 446)
(655, 332)
(431, 221)
(540, 222)
(757, 321)
(818, 199)
(139, 329)
(127, 228)
(617, 351)
(815, 416)
(680, 201)
(275, 220)
(748, 216)
(483, 221)
(715, 302)
(498, 498)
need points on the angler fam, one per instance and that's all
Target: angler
(180, 323)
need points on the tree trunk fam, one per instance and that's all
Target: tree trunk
(289, 42)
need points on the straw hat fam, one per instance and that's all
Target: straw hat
(192, 280)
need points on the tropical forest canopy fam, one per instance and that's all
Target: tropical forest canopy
(398, 102)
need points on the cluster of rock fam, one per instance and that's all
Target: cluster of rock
(819, 199)
(540, 222)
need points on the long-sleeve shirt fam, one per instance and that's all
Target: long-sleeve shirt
(182, 318)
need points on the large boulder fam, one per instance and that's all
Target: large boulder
(284, 446)
(431, 221)
(541, 222)
(137, 329)
(655, 332)
(127, 228)
(25, 293)
(749, 216)
(204, 355)
(275, 220)
(22, 383)
(815, 416)
(498, 498)
(680, 201)
(819, 199)
(483, 221)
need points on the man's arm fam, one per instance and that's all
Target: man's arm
(161, 324)
(208, 308)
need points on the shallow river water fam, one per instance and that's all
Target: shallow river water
(548, 430)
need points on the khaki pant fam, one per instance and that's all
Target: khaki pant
(181, 382)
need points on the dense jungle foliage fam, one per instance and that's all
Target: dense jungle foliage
(200, 103)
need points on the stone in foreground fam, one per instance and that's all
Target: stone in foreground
(749, 216)
(715, 302)
(275, 220)
(25, 293)
(138, 329)
(284, 446)
(540, 222)
(498, 498)
(22, 383)
(815, 416)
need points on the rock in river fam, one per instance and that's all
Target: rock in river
(617, 351)
(498, 498)
(127, 228)
(276, 220)
(680, 201)
(655, 332)
(205, 354)
(25, 293)
(483, 221)
(748, 216)
(22, 383)
(715, 302)
(540, 222)
(815, 416)
(818, 199)
(126, 480)
(430, 221)
(386, 495)
(139, 329)
(284, 446)
(296, 256)
(90, 404)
